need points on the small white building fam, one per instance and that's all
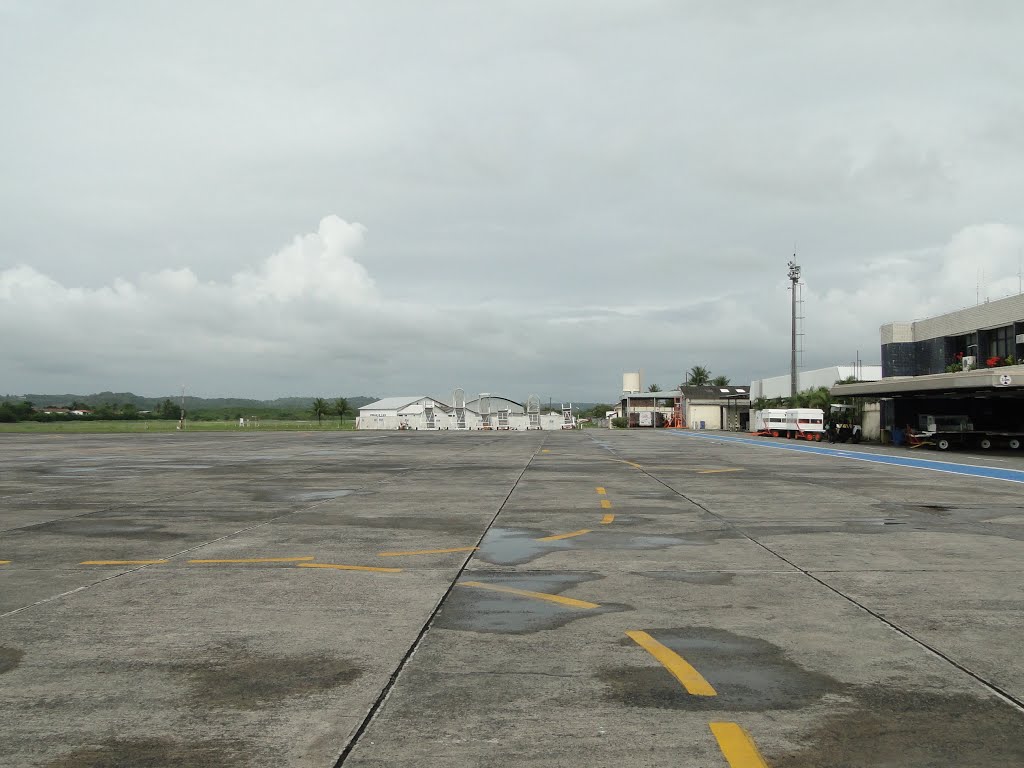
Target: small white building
(408, 412)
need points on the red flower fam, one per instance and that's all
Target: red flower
(992, 362)
(958, 356)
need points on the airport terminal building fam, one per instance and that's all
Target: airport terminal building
(962, 366)
(994, 329)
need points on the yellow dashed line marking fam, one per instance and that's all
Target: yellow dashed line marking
(605, 504)
(716, 471)
(559, 536)
(257, 560)
(600, 490)
(692, 680)
(607, 519)
(428, 551)
(545, 450)
(631, 463)
(737, 746)
(5, 562)
(338, 567)
(536, 595)
(121, 562)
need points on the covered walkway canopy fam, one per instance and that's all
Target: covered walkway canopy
(1004, 382)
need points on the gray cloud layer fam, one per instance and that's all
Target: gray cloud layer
(547, 194)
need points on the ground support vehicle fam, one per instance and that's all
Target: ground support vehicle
(797, 423)
(973, 438)
(946, 432)
(805, 424)
(770, 422)
(842, 424)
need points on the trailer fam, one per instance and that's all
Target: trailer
(795, 423)
(770, 422)
(957, 431)
(805, 423)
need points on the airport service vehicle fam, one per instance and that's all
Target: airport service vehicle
(769, 422)
(798, 423)
(957, 431)
(805, 423)
(842, 424)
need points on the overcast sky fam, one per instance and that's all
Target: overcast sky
(334, 198)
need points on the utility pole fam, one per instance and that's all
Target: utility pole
(794, 278)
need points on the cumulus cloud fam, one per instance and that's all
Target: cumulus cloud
(554, 195)
(309, 318)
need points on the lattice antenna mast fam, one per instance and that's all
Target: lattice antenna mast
(794, 279)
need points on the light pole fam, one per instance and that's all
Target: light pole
(794, 278)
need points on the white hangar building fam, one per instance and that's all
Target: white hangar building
(484, 412)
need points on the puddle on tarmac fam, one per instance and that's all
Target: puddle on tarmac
(749, 674)
(278, 495)
(709, 578)
(428, 521)
(907, 729)
(154, 752)
(515, 546)
(509, 546)
(104, 528)
(981, 520)
(240, 678)
(471, 609)
(322, 495)
(9, 658)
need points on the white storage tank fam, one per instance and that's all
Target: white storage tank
(631, 382)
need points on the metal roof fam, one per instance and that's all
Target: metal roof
(1007, 380)
(396, 403)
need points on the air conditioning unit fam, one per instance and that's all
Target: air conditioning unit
(967, 362)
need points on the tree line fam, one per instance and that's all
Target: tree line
(167, 409)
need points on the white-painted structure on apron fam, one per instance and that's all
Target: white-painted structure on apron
(485, 412)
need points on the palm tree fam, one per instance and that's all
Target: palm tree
(720, 381)
(342, 408)
(698, 375)
(319, 409)
(654, 388)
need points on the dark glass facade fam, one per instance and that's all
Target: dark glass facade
(918, 358)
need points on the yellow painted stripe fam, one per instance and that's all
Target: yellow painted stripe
(691, 679)
(631, 463)
(428, 551)
(545, 450)
(121, 562)
(536, 595)
(337, 567)
(607, 519)
(558, 536)
(737, 746)
(605, 504)
(258, 560)
(716, 471)
(4, 562)
(601, 490)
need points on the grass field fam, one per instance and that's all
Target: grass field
(84, 427)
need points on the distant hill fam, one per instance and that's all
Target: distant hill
(191, 403)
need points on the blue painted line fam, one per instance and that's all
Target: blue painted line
(992, 473)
